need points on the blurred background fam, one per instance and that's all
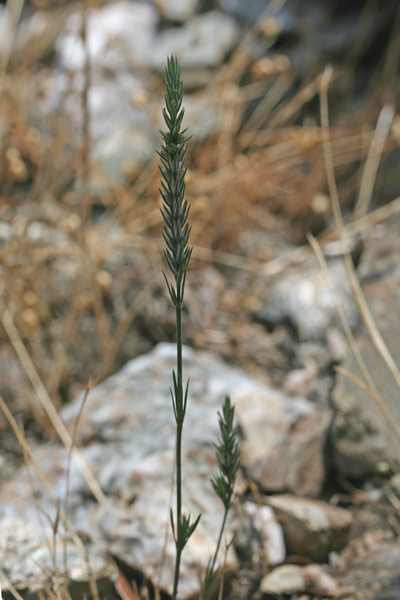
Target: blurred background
(82, 89)
(294, 185)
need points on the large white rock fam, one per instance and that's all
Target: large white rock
(27, 557)
(127, 435)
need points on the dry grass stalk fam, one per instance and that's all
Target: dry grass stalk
(47, 403)
(8, 30)
(13, 591)
(372, 163)
(369, 386)
(85, 147)
(365, 312)
(31, 461)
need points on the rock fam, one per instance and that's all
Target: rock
(125, 30)
(37, 34)
(122, 43)
(126, 149)
(297, 464)
(177, 10)
(268, 532)
(374, 576)
(116, 33)
(364, 443)
(120, 37)
(303, 300)
(284, 441)
(127, 436)
(319, 582)
(287, 579)
(26, 559)
(201, 43)
(291, 579)
(300, 382)
(311, 528)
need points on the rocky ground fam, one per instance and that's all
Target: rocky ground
(83, 297)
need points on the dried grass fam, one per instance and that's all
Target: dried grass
(262, 171)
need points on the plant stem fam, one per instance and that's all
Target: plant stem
(176, 233)
(221, 532)
(180, 411)
(178, 450)
(227, 452)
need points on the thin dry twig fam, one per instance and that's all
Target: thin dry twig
(46, 402)
(365, 313)
(372, 163)
(8, 30)
(9, 585)
(85, 147)
(69, 462)
(358, 294)
(370, 385)
(46, 486)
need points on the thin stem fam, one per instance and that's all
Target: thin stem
(179, 402)
(178, 505)
(227, 452)
(176, 577)
(221, 533)
(176, 233)
(178, 310)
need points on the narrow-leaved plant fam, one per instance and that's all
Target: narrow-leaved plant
(227, 451)
(176, 231)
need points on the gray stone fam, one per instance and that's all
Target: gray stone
(125, 150)
(122, 42)
(203, 42)
(312, 528)
(375, 575)
(26, 558)
(284, 440)
(298, 463)
(127, 436)
(177, 10)
(287, 579)
(319, 582)
(118, 35)
(364, 443)
(291, 579)
(270, 532)
(304, 299)
(39, 31)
